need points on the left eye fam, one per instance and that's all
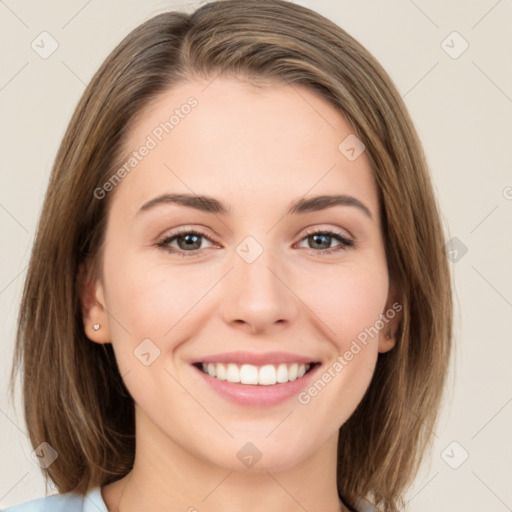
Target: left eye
(325, 237)
(190, 242)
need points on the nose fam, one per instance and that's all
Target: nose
(257, 297)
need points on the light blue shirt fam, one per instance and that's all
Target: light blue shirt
(69, 502)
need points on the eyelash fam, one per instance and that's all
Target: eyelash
(345, 243)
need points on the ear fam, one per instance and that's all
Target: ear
(391, 317)
(94, 311)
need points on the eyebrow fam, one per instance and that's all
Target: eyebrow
(211, 205)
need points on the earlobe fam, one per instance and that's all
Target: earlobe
(94, 311)
(386, 342)
(392, 316)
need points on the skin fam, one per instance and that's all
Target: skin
(256, 150)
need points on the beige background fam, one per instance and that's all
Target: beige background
(462, 109)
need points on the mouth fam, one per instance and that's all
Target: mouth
(251, 379)
(262, 375)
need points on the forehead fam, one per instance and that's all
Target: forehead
(244, 143)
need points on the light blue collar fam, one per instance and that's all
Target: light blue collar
(93, 501)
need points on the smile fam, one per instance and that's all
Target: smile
(266, 375)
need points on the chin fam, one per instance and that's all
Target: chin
(260, 455)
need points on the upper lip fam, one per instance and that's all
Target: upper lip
(256, 359)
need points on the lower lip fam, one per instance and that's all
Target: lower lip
(258, 395)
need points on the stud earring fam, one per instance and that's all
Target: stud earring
(388, 336)
(96, 326)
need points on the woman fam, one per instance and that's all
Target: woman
(238, 296)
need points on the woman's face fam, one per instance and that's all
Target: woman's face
(262, 290)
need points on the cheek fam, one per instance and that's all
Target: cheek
(349, 306)
(159, 303)
(155, 301)
(348, 300)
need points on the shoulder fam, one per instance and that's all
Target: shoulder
(55, 503)
(69, 502)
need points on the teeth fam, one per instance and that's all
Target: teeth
(221, 372)
(232, 373)
(267, 375)
(282, 374)
(293, 371)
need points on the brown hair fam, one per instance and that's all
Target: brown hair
(75, 398)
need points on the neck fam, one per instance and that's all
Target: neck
(167, 477)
